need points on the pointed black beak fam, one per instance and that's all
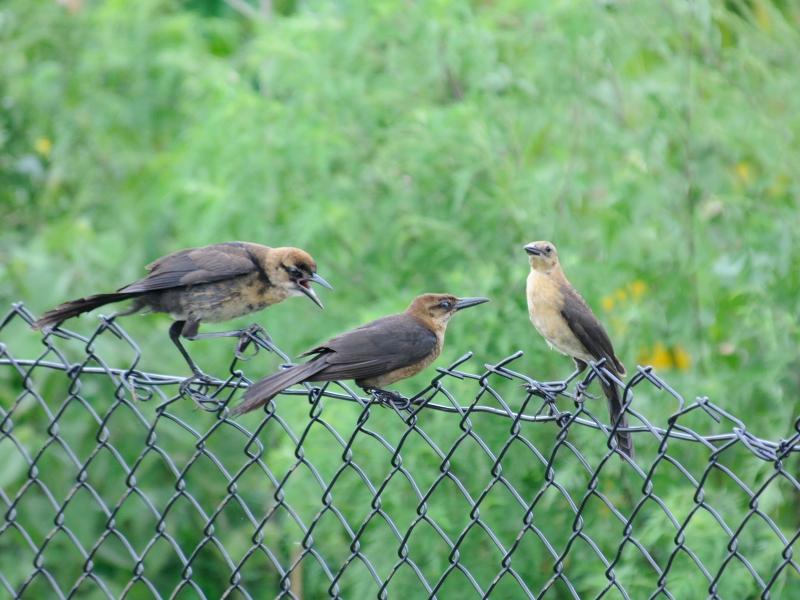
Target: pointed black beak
(467, 302)
(531, 249)
(309, 291)
(317, 279)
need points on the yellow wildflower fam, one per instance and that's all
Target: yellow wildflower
(43, 146)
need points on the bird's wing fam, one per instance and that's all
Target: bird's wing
(377, 348)
(588, 329)
(196, 265)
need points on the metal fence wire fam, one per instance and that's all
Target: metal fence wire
(115, 485)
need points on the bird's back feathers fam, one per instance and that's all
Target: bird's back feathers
(194, 266)
(376, 348)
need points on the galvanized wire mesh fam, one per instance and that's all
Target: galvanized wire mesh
(115, 485)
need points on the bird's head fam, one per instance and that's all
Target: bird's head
(542, 256)
(440, 308)
(294, 270)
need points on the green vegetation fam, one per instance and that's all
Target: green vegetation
(415, 147)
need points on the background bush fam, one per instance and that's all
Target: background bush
(416, 147)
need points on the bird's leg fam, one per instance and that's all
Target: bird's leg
(549, 387)
(246, 336)
(556, 387)
(581, 394)
(198, 397)
(175, 331)
(577, 372)
(580, 387)
(390, 398)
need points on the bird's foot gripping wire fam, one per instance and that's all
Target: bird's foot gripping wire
(548, 390)
(581, 394)
(390, 398)
(196, 387)
(256, 335)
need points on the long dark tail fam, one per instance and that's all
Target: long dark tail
(624, 438)
(73, 308)
(264, 390)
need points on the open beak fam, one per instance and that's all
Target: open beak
(309, 291)
(317, 279)
(467, 302)
(531, 249)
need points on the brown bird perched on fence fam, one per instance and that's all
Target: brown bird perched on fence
(568, 325)
(211, 284)
(375, 355)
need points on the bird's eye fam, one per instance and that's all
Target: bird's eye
(547, 248)
(295, 272)
(445, 305)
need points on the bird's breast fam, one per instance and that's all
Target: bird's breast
(222, 301)
(545, 303)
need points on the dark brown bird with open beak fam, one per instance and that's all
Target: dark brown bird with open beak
(211, 284)
(375, 355)
(568, 325)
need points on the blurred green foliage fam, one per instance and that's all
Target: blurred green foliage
(415, 147)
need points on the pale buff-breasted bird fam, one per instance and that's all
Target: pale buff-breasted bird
(569, 326)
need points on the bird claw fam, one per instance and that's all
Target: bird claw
(549, 389)
(249, 335)
(554, 387)
(198, 395)
(581, 394)
(391, 399)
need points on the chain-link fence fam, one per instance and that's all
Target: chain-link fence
(115, 485)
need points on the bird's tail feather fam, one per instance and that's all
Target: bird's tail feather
(624, 438)
(264, 390)
(73, 308)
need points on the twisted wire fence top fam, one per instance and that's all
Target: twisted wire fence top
(115, 485)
